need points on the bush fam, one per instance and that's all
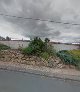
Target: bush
(27, 51)
(4, 47)
(51, 51)
(35, 47)
(39, 48)
(45, 55)
(70, 57)
(65, 57)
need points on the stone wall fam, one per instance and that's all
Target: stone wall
(17, 57)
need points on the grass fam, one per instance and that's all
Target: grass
(75, 53)
(4, 47)
(45, 55)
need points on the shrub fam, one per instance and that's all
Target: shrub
(35, 47)
(65, 56)
(45, 55)
(4, 47)
(39, 48)
(51, 51)
(70, 57)
(28, 51)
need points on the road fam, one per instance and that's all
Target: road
(23, 82)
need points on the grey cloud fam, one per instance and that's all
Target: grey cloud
(45, 9)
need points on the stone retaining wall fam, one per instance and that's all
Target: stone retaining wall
(17, 56)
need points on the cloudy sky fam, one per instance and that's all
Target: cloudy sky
(57, 10)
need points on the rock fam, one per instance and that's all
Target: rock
(17, 56)
(57, 61)
(32, 62)
(23, 61)
(60, 66)
(23, 58)
(72, 67)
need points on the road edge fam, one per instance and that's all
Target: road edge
(41, 71)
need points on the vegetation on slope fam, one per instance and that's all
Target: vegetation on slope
(70, 57)
(4, 47)
(40, 48)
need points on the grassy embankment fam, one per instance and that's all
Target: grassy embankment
(70, 57)
(44, 50)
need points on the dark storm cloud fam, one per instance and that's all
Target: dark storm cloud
(57, 10)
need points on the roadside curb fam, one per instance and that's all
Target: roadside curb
(40, 71)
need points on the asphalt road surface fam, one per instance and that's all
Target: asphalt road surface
(22, 82)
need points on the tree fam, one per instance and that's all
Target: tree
(2, 38)
(8, 38)
(46, 43)
(47, 40)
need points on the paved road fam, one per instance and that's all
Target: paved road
(23, 82)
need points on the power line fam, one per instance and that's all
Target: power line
(38, 19)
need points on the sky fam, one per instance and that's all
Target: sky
(57, 10)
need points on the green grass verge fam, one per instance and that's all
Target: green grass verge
(4, 47)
